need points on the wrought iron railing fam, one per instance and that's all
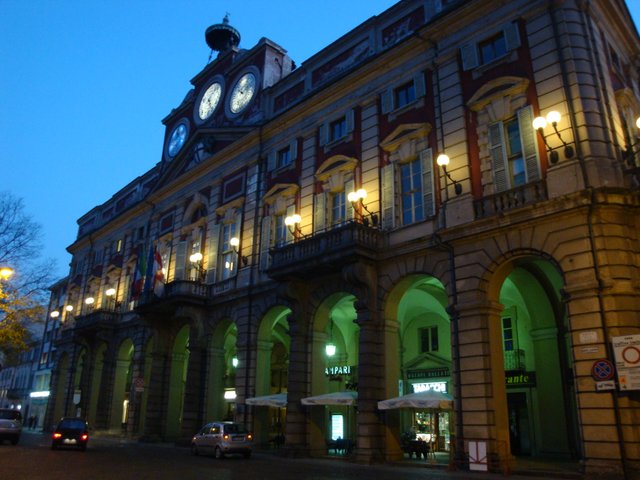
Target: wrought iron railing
(511, 199)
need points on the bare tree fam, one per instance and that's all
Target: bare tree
(22, 295)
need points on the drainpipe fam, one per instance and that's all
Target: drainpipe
(254, 253)
(589, 33)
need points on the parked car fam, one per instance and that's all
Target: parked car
(71, 432)
(10, 425)
(222, 438)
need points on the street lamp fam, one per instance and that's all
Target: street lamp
(553, 118)
(443, 161)
(293, 223)
(235, 244)
(196, 262)
(6, 273)
(357, 198)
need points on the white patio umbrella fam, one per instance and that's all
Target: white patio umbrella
(336, 398)
(275, 400)
(428, 399)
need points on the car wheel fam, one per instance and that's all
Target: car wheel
(194, 449)
(247, 454)
(14, 440)
(218, 453)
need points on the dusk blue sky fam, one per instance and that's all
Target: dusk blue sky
(84, 85)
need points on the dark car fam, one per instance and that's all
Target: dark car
(10, 425)
(71, 432)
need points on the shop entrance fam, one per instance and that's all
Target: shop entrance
(519, 426)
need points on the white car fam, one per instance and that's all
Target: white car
(222, 438)
(10, 425)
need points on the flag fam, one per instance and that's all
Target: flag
(138, 275)
(148, 280)
(158, 274)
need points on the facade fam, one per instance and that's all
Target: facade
(296, 209)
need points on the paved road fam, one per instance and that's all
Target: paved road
(113, 459)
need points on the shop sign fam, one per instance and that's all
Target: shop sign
(339, 370)
(430, 387)
(428, 373)
(520, 379)
(626, 350)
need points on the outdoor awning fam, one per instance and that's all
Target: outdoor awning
(336, 398)
(275, 400)
(428, 399)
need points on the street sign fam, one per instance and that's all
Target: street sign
(138, 383)
(602, 370)
(626, 350)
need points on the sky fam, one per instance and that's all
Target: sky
(84, 85)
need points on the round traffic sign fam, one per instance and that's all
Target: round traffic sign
(602, 370)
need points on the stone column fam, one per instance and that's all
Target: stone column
(157, 397)
(194, 390)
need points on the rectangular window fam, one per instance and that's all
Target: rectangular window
(228, 256)
(338, 208)
(514, 153)
(411, 191)
(337, 129)
(284, 158)
(429, 339)
(508, 338)
(493, 48)
(404, 95)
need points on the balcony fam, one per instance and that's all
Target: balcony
(94, 321)
(175, 293)
(511, 199)
(514, 360)
(326, 252)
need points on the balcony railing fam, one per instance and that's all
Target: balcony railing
(96, 320)
(326, 252)
(178, 290)
(514, 360)
(511, 199)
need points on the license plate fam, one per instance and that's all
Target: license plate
(70, 441)
(238, 439)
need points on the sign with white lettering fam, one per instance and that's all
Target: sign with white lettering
(431, 386)
(338, 370)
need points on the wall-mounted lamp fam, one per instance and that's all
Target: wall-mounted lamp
(69, 308)
(111, 295)
(293, 224)
(234, 362)
(235, 244)
(443, 161)
(89, 301)
(54, 314)
(330, 349)
(196, 262)
(553, 118)
(357, 198)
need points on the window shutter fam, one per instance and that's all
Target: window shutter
(388, 197)
(426, 157)
(291, 210)
(387, 101)
(469, 55)
(212, 258)
(271, 161)
(419, 84)
(350, 120)
(293, 150)
(348, 187)
(181, 258)
(529, 144)
(319, 212)
(323, 133)
(511, 36)
(265, 243)
(498, 156)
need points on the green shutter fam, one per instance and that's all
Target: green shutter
(529, 144)
(319, 212)
(388, 197)
(499, 157)
(426, 158)
(212, 258)
(181, 258)
(265, 243)
(469, 54)
(511, 36)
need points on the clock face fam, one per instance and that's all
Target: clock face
(242, 93)
(210, 101)
(177, 139)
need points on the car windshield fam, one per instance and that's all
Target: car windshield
(234, 428)
(10, 415)
(72, 423)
